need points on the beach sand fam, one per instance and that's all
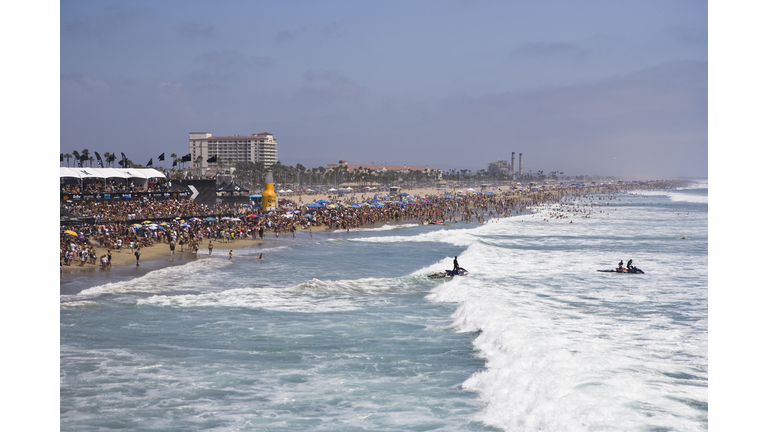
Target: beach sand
(160, 251)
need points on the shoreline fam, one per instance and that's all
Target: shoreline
(159, 256)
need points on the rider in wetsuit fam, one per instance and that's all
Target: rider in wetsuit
(456, 264)
(621, 265)
(629, 265)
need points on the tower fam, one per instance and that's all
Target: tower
(512, 166)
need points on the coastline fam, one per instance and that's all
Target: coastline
(159, 256)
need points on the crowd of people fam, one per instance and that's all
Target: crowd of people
(135, 224)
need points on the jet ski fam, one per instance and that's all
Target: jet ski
(633, 270)
(448, 274)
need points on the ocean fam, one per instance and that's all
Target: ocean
(345, 332)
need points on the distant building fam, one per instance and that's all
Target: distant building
(384, 168)
(229, 150)
(499, 167)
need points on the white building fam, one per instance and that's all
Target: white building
(260, 147)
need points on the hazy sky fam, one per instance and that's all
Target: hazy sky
(587, 87)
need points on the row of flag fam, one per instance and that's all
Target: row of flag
(124, 161)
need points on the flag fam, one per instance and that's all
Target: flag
(98, 156)
(100, 165)
(61, 157)
(186, 158)
(213, 158)
(124, 162)
(174, 162)
(150, 162)
(77, 155)
(161, 157)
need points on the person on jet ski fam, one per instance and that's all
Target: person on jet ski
(456, 264)
(629, 265)
(621, 265)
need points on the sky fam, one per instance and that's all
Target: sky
(614, 88)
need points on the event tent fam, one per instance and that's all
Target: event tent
(105, 173)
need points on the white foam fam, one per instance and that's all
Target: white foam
(175, 278)
(308, 297)
(559, 354)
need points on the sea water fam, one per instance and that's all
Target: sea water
(345, 332)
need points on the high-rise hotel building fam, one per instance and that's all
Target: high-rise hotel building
(260, 147)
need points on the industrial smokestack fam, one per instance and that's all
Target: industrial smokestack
(512, 167)
(520, 173)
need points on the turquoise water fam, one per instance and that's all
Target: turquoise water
(345, 332)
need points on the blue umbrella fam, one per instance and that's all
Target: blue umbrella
(210, 219)
(321, 202)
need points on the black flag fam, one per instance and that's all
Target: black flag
(98, 156)
(174, 162)
(161, 157)
(213, 158)
(77, 155)
(186, 158)
(61, 157)
(150, 162)
(111, 158)
(124, 162)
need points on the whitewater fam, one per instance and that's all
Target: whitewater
(345, 332)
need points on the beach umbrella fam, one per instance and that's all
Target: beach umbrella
(70, 232)
(235, 219)
(288, 191)
(332, 190)
(321, 202)
(210, 219)
(306, 215)
(185, 225)
(403, 194)
(226, 218)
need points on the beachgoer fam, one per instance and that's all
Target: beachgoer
(261, 256)
(138, 255)
(173, 247)
(230, 254)
(109, 258)
(210, 247)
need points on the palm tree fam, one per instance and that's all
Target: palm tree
(90, 161)
(67, 156)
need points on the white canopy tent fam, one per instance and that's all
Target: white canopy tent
(105, 173)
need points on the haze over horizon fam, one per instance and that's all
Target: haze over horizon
(594, 87)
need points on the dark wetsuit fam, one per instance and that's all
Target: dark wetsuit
(455, 264)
